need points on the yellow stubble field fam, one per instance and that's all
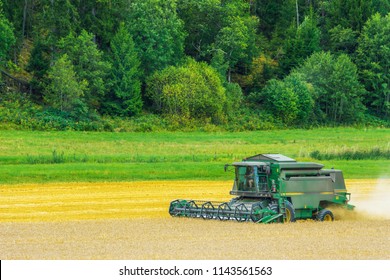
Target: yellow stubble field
(131, 221)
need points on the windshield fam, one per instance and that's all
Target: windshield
(245, 178)
(250, 179)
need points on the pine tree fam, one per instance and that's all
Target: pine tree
(126, 99)
(7, 38)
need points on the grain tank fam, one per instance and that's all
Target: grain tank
(273, 188)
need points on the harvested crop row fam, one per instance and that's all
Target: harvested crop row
(79, 201)
(130, 221)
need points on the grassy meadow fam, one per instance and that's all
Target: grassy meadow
(38, 157)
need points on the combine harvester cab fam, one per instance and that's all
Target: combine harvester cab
(273, 188)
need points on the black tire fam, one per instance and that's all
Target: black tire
(255, 216)
(290, 212)
(289, 208)
(325, 215)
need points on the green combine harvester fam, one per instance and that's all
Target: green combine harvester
(273, 188)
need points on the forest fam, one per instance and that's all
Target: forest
(234, 65)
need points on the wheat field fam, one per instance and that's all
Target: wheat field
(131, 221)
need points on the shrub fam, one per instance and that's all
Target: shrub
(192, 91)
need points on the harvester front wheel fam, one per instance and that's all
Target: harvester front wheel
(325, 215)
(256, 213)
(290, 212)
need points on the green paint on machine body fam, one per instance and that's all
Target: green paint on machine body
(273, 188)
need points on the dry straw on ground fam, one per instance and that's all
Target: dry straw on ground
(130, 221)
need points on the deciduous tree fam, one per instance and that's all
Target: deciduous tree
(338, 93)
(64, 92)
(157, 32)
(373, 59)
(89, 65)
(202, 21)
(191, 91)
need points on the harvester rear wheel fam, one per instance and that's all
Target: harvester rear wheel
(290, 212)
(325, 215)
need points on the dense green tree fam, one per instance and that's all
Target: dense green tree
(233, 41)
(7, 38)
(304, 42)
(64, 92)
(305, 95)
(238, 36)
(381, 6)
(277, 16)
(262, 69)
(338, 93)
(38, 65)
(347, 13)
(342, 40)
(219, 64)
(216, 27)
(234, 100)
(269, 12)
(373, 59)
(54, 20)
(289, 100)
(342, 21)
(101, 17)
(89, 65)
(234, 94)
(125, 76)
(157, 32)
(267, 50)
(20, 13)
(281, 101)
(202, 21)
(191, 91)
